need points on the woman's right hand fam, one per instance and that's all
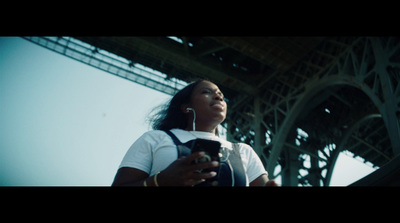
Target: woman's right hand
(183, 173)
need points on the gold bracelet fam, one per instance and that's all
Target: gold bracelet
(155, 180)
(145, 183)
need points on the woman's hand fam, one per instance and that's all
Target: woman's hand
(264, 181)
(272, 183)
(182, 172)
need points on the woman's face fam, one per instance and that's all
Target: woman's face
(208, 102)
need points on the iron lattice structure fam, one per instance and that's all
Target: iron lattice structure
(298, 101)
(344, 99)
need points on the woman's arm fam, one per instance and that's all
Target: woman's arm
(127, 176)
(263, 181)
(181, 172)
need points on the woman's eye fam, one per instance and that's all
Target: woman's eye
(206, 92)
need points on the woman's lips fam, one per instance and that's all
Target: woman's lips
(218, 105)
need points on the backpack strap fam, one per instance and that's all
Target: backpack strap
(182, 148)
(236, 161)
(173, 137)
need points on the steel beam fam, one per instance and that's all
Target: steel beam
(120, 67)
(341, 145)
(352, 71)
(312, 89)
(371, 65)
(390, 107)
(179, 57)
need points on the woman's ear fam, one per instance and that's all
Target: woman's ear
(184, 108)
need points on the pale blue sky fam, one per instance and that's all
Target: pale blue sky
(64, 123)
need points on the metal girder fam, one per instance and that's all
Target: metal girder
(280, 106)
(270, 50)
(350, 70)
(342, 143)
(295, 109)
(384, 53)
(118, 66)
(387, 175)
(169, 53)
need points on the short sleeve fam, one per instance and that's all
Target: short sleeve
(251, 161)
(139, 155)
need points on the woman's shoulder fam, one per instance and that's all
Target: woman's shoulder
(245, 149)
(243, 145)
(153, 136)
(154, 132)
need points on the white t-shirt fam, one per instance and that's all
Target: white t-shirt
(155, 150)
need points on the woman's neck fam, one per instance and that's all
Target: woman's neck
(202, 128)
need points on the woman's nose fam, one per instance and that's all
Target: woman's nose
(218, 97)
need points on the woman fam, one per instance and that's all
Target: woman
(194, 112)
